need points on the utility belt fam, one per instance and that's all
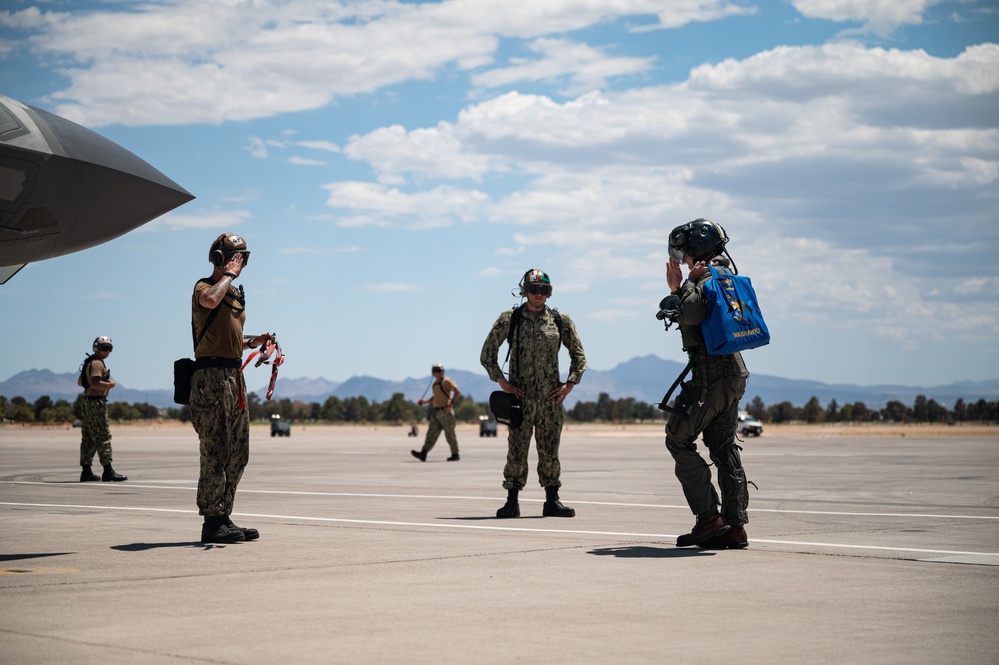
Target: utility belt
(215, 361)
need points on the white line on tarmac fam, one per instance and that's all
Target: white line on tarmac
(492, 498)
(577, 532)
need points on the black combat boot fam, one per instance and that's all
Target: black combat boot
(512, 507)
(420, 455)
(248, 534)
(553, 507)
(454, 458)
(88, 475)
(110, 475)
(217, 530)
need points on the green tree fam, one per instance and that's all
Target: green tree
(583, 412)
(758, 409)
(467, 410)
(21, 411)
(397, 409)
(42, 403)
(832, 412)
(813, 411)
(333, 410)
(782, 413)
(960, 410)
(895, 411)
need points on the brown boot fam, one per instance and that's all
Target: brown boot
(734, 539)
(707, 527)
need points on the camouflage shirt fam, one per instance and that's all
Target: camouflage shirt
(534, 356)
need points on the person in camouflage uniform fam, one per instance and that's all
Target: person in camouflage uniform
(444, 393)
(538, 331)
(711, 399)
(95, 379)
(218, 403)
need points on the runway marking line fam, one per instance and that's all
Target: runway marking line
(480, 527)
(489, 498)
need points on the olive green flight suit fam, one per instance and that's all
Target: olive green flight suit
(713, 396)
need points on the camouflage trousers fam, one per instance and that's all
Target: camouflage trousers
(717, 420)
(96, 436)
(543, 418)
(224, 431)
(441, 421)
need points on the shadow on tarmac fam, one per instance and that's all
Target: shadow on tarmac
(493, 518)
(643, 552)
(142, 547)
(18, 557)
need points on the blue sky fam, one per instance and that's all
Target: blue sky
(396, 166)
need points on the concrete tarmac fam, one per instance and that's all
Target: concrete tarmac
(863, 549)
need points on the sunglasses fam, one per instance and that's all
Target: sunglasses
(543, 289)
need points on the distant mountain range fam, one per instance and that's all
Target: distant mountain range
(646, 379)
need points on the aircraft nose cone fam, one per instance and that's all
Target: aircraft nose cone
(64, 188)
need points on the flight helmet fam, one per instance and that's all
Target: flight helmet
(700, 239)
(535, 277)
(103, 343)
(225, 246)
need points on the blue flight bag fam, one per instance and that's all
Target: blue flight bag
(734, 321)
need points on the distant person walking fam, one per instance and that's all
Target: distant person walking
(710, 398)
(534, 333)
(444, 392)
(95, 379)
(218, 391)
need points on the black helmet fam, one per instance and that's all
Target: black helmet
(700, 239)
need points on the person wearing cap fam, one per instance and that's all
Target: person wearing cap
(218, 391)
(710, 399)
(95, 379)
(534, 332)
(443, 394)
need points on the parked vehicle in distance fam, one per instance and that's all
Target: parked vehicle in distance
(280, 427)
(487, 426)
(748, 425)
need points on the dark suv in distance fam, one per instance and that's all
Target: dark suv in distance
(748, 425)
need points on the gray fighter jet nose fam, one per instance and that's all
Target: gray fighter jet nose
(64, 188)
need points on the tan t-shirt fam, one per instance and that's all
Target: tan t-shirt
(97, 371)
(224, 338)
(442, 393)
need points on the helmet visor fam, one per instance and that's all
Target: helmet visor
(676, 254)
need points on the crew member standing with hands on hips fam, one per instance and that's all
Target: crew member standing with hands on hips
(535, 333)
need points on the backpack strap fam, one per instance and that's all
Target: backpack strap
(516, 316)
(208, 323)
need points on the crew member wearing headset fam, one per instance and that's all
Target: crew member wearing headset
(95, 379)
(712, 397)
(444, 393)
(535, 333)
(218, 391)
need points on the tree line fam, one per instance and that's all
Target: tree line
(923, 410)
(398, 409)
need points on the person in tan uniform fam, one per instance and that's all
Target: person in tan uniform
(218, 391)
(95, 379)
(443, 394)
